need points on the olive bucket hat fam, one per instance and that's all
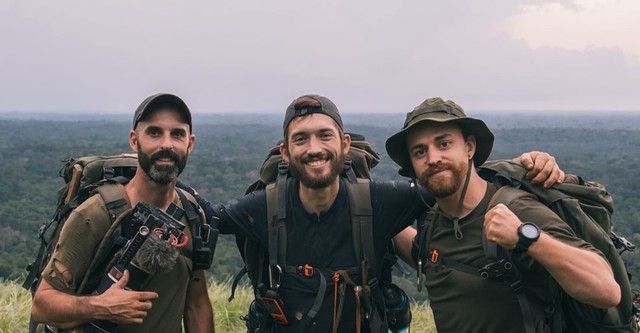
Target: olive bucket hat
(437, 110)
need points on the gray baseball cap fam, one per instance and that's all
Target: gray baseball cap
(162, 100)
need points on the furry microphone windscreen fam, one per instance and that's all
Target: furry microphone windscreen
(156, 255)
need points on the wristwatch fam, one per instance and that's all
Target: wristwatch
(527, 234)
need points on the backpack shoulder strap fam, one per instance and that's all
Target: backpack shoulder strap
(116, 204)
(362, 222)
(111, 193)
(189, 205)
(500, 259)
(276, 194)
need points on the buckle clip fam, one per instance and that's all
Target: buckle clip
(495, 269)
(306, 270)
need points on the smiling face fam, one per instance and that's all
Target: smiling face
(440, 156)
(315, 149)
(163, 143)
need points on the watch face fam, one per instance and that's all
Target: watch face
(529, 231)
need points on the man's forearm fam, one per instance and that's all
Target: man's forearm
(583, 274)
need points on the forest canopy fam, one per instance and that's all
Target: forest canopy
(230, 149)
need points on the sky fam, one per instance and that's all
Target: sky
(366, 55)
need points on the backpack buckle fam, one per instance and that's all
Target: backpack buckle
(283, 168)
(306, 270)
(496, 269)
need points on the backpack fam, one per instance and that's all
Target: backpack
(586, 207)
(273, 179)
(103, 175)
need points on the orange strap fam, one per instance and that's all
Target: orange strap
(336, 280)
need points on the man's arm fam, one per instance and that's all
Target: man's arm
(198, 312)
(403, 242)
(117, 305)
(583, 274)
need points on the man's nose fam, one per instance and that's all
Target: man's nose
(167, 143)
(315, 144)
(433, 157)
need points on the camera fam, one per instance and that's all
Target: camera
(143, 256)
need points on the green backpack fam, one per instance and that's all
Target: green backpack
(586, 207)
(89, 175)
(273, 178)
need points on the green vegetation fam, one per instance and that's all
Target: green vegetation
(15, 306)
(230, 149)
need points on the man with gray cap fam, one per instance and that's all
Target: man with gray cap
(321, 286)
(162, 138)
(439, 146)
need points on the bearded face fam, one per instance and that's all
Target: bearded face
(317, 179)
(164, 173)
(443, 179)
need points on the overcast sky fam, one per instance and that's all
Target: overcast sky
(366, 55)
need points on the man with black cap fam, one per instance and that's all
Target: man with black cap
(321, 286)
(162, 138)
(440, 147)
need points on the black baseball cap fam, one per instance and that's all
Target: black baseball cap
(162, 100)
(301, 108)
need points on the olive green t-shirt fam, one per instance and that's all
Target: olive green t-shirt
(77, 246)
(462, 302)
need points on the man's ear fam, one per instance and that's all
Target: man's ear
(471, 146)
(346, 143)
(133, 140)
(284, 152)
(192, 143)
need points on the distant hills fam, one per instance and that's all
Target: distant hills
(496, 120)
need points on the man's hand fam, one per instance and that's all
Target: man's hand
(125, 306)
(501, 226)
(542, 168)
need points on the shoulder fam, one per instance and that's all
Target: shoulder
(92, 209)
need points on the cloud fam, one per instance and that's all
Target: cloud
(256, 55)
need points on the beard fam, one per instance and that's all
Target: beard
(441, 186)
(336, 165)
(161, 174)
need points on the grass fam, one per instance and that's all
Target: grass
(15, 305)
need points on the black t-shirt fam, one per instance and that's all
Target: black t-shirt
(323, 241)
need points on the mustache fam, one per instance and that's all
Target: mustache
(165, 154)
(438, 167)
(316, 156)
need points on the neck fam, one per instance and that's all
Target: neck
(475, 192)
(142, 189)
(318, 200)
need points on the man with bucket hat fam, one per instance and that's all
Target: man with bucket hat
(439, 146)
(307, 295)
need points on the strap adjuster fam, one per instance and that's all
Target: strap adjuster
(306, 270)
